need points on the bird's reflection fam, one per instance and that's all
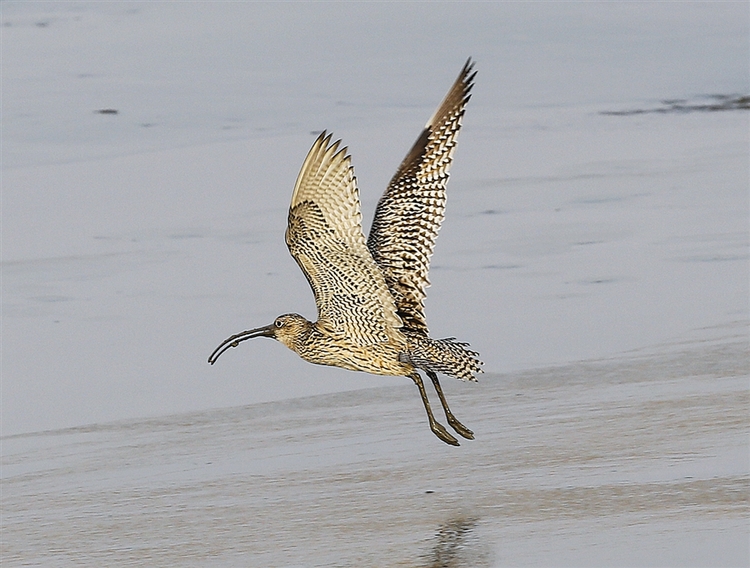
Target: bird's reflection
(456, 546)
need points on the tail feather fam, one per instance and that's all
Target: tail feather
(446, 356)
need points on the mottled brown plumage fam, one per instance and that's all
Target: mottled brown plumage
(411, 210)
(370, 294)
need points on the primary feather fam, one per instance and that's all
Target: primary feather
(410, 212)
(324, 235)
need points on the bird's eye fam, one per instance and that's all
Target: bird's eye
(278, 323)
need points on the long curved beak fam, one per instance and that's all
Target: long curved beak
(234, 341)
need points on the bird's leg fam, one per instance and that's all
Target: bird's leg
(437, 428)
(452, 420)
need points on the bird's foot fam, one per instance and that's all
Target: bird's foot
(440, 431)
(460, 428)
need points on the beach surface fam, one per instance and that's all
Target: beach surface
(635, 461)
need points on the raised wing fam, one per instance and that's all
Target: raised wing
(325, 238)
(410, 212)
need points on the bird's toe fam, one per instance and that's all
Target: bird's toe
(440, 431)
(460, 428)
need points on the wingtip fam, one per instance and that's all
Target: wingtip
(324, 145)
(459, 91)
(323, 139)
(323, 142)
(469, 74)
(468, 69)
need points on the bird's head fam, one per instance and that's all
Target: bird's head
(286, 328)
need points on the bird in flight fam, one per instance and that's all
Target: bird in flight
(370, 293)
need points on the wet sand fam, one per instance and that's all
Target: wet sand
(635, 461)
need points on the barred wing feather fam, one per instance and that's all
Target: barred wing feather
(410, 212)
(325, 237)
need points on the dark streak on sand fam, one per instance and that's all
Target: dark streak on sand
(711, 103)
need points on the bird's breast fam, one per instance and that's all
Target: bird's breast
(378, 359)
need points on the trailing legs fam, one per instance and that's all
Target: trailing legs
(437, 428)
(452, 420)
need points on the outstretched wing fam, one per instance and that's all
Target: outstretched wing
(410, 212)
(325, 238)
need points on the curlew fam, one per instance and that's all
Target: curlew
(370, 293)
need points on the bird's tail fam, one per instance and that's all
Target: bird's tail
(446, 356)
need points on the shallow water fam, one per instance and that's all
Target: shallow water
(635, 461)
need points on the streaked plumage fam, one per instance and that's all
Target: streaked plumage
(370, 294)
(411, 210)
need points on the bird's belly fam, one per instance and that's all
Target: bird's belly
(380, 359)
